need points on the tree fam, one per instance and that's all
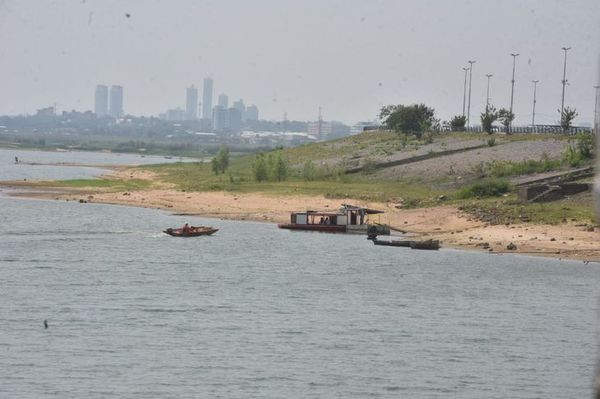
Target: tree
(259, 168)
(488, 118)
(309, 171)
(566, 117)
(458, 122)
(221, 161)
(506, 117)
(411, 119)
(280, 168)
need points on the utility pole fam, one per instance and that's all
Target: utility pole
(564, 83)
(512, 90)
(535, 82)
(470, 81)
(465, 91)
(596, 111)
(487, 97)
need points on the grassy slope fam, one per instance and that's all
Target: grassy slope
(371, 145)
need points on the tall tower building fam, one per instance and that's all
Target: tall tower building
(207, 94)
(101, 101)
(223, 101)
(191, 103)
(252, 113)
(239, 105)
(116, 101)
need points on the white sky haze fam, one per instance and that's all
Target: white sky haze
(351, 57)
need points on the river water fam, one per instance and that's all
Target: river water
(257, 312)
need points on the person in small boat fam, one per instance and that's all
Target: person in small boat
(322, 220)
(186, 228)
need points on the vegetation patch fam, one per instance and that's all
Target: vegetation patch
(484, 188)
(509, 211)
(107, 184)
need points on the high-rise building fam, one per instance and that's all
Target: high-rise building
(191, 103)
(235, 120)
(101, 101)
(175, 114)
(116, 101)
(207, 94)
(239, 105)
(223, 100)
(220, 118)
(252, 113)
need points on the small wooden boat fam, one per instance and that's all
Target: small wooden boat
(426, 244)
(191, 232)
(393, 243)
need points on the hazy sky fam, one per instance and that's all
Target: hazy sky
(350, 57)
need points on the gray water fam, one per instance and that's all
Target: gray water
(258, 312)
(45, 165)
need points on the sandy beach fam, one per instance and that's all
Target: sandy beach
(446, 223)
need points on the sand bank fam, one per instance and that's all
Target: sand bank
(446, 223)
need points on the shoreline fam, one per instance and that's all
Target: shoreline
(452, 227)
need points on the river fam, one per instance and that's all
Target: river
(257, 312)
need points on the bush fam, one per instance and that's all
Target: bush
(259, 168)
(458, 122)
(485, 188)
(309, 172)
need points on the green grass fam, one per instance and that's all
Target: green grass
(107, 184)
(508, 210)
(484, 188)
(199, 177)
(510, 168)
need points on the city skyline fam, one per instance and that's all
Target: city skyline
(351, 75)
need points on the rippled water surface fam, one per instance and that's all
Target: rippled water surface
(257, 312)
(44, 165)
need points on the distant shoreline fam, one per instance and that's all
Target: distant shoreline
(448, 224)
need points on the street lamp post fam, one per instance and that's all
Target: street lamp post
(512, 90)
(465, 91)
(564, 82)
(487, 96)
(470, 81)
(596, 111)
(535, 82)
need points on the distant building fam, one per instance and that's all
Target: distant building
(191, 103)
(359, 127)
(252, 113)
(116, 102)
(101, 101)
(226, 119)
(235, 120)
(320, 129)
(239, 105)
(48, 111)
(175, 114)
(223, 101)
(207, 94)
(219, 118)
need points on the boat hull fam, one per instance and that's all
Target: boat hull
(328, 228)
(204, 231)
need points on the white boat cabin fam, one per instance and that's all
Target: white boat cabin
(347, 215)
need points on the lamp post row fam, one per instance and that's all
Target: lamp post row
(512, 90)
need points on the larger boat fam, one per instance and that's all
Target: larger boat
(348, 219)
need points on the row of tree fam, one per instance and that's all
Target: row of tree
(269, 167)
(418, 118)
